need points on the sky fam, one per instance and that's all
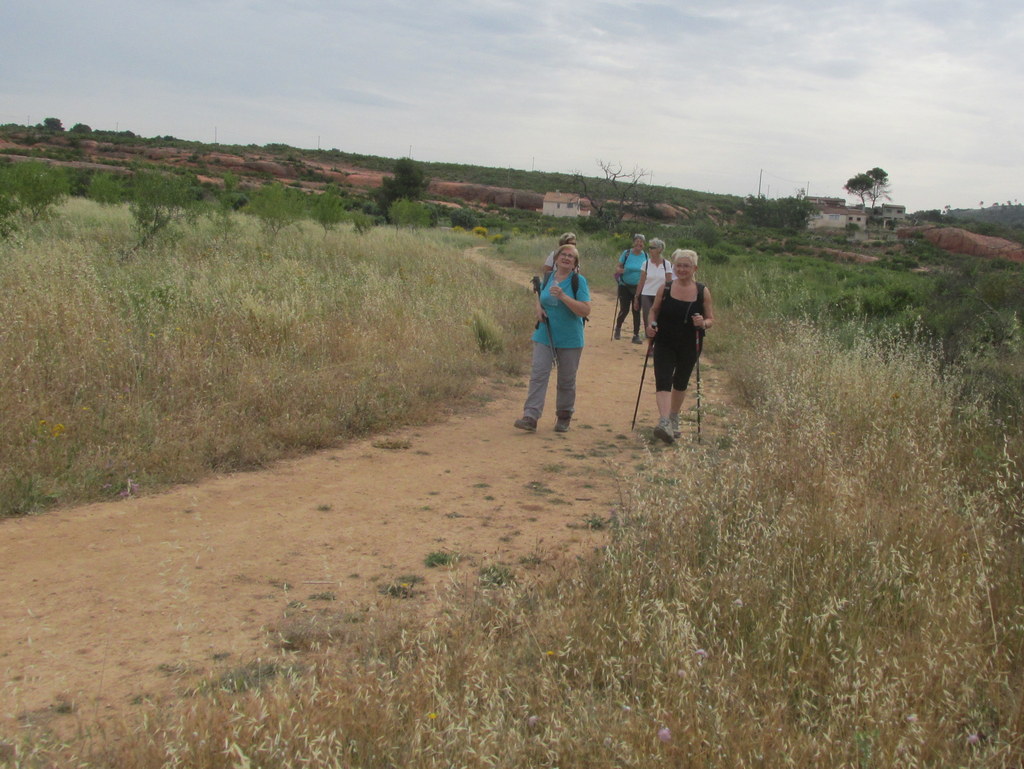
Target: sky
(729, 96)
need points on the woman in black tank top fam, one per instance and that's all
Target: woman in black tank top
(682, 312)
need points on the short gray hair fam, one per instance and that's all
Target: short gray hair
(641, 237)
(657, 243)
(684, 253)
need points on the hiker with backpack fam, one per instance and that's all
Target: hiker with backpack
(563, 303)
(627, 276)
(655, 273)
(681, 314)
(566, 238)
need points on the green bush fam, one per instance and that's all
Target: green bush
(465, 218)
(408, 213)
(159, 199)
(37, 187)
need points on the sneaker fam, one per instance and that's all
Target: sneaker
(637, 339)
(673, 423)
(527, 423)
(618, 333)
(663, 431)
(562, 425)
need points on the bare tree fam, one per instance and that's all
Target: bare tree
(618, 193)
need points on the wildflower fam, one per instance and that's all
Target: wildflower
(431, 715)
(626, 709)
(973, 738)
(532, 721)
(702, 654)
(607, 742)
(912, 718)
(664, 734)
(550, 653)
(738, 603)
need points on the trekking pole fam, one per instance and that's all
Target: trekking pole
(535, 282)
(615, 315)
(647, 357)
(700, 349)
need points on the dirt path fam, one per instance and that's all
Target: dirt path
(106, 604)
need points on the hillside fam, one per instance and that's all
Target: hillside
(122, 152)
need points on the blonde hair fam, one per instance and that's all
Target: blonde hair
(566, 237)
(684, 253)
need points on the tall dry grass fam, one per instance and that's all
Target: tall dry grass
(221, 350)
(837, 583)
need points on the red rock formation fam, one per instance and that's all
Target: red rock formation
(959, 241)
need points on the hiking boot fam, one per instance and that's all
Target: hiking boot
(637, 339)
(527, 423)
(664, 431)
(562, 424)
(673, 423)
(618, 333)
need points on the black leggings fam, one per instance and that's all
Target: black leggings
(673, 364)
(626, 294)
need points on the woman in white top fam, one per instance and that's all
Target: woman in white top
(653, 275)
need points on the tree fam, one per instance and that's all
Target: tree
(408, 213)
(106, 189)
(780, 213)
(52, 124)
(871, 185)
(329, 209)
(37, 187)
(159, 199)
(277, 207)
(616, 194)
(407, 182)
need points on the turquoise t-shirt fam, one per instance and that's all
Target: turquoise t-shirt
(632, 264)
(566, 326)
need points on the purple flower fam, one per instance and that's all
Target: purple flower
(973, 738)
(665, 734)
(532, 721)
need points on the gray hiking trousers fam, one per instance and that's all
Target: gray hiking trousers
(565, 393)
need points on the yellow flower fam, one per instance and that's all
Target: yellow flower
(431, 715)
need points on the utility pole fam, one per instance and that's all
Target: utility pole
(759, 182)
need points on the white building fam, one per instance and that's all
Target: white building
(564, 204)
(837, 218)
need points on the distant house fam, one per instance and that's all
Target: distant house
(837, 218)
(565, 204)
(889, 214)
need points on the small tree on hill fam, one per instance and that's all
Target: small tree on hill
(159, 199)
(616, 194)
(871, 185)
(779, 214)
(37, 187)
(408, 213)
(277, 207)
(328, 209)
(408, 182)
(106, 189)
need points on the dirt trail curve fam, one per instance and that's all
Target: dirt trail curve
(104, 604)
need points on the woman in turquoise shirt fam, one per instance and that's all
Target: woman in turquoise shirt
(562, 303)
(631, 262)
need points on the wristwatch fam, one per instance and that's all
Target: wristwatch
(653, 324)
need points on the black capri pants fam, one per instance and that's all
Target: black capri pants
(674, 361)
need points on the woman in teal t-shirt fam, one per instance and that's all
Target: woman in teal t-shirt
(562, 303)
(627, 275)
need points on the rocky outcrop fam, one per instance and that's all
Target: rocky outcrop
(269, 167)
(958, 241)
(484, 195)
